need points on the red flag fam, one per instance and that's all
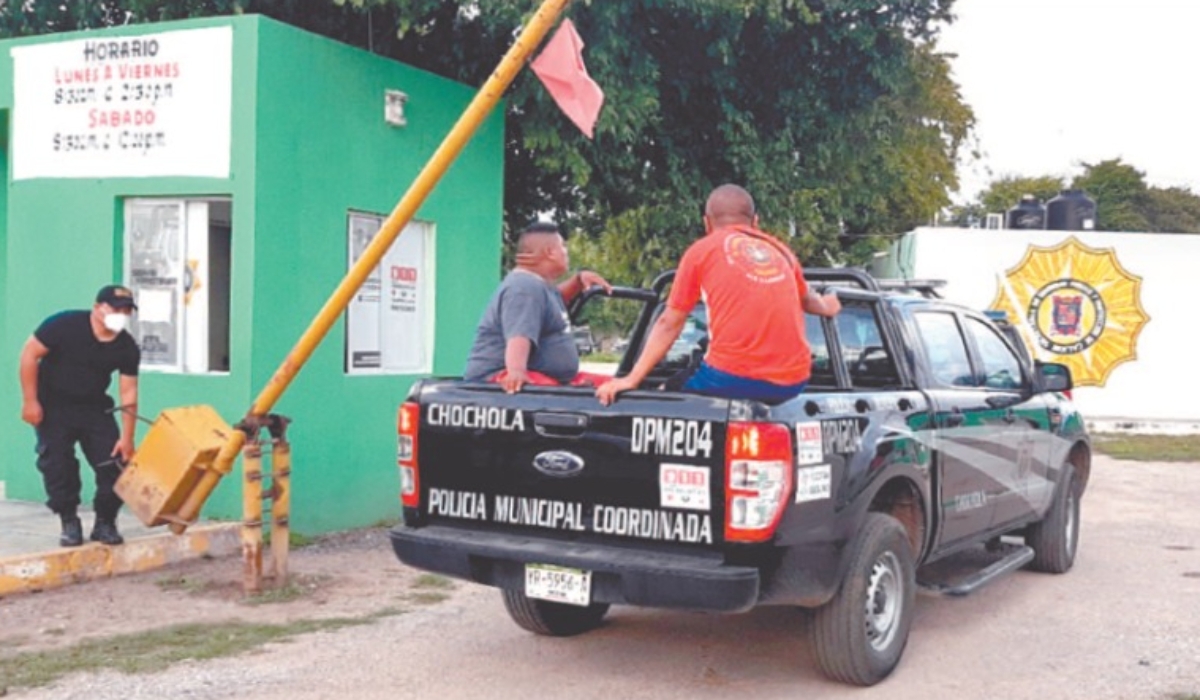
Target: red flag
(560, 68)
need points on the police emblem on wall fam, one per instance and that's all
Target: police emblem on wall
(1076, 305)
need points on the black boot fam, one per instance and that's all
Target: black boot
(72, 532)
(105, 530)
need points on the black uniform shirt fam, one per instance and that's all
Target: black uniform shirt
(78, 369)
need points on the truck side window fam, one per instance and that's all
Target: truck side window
(822, 366)
(1001, 368)
(944, 346)
(863, 348)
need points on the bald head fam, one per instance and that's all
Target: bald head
(537, 237)
(728, 205)
(540, 249)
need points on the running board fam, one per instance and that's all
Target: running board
(955, 577)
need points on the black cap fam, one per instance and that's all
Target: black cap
(116, 296)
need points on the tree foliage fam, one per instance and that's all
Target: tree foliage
(1124, 201)
(1121, 194)
(840, 116)
(1005, 193)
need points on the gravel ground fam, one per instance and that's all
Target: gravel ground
(1124, 623)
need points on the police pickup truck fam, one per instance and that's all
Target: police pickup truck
(928, 451)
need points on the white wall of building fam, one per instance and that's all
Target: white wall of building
(1163, 382)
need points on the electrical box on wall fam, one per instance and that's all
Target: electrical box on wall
(393, 107)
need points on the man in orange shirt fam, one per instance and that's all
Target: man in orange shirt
(756, 296)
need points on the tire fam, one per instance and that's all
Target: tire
(859, 636)
(1056, 538)
(552, 619)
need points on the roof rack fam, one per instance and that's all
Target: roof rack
(846, 276)
(926, 288)
(833, 275)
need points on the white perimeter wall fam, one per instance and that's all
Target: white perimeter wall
(1163, 383)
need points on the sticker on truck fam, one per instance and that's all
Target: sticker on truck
(810, 445)
(814, 483)
(683, 486)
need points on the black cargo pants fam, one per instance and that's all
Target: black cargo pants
(95, 431)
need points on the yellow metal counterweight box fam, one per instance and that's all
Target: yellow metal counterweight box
(178, 450)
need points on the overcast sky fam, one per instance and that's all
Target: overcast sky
(1057, 82)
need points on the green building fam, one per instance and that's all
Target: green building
(230, 170)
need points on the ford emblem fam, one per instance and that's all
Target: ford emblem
(558, 463)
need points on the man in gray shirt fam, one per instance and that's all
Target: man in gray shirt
(525, 326)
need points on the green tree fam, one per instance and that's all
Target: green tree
(1003, 194)
(1173, 210)
(1120, 192)
(839, 116)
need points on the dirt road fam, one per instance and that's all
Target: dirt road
(1125, 623)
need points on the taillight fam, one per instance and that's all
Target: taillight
(758, 479)
(407, 420)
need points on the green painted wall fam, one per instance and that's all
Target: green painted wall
(323, 148)
(308, 143)
(4, 150)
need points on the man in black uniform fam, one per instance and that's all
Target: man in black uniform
(66, 368)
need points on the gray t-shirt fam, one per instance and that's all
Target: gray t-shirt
(527, 306)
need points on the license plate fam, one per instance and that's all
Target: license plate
(558, 584)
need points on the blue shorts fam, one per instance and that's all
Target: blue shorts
(714, 382)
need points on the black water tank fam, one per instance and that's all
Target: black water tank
(1071, 210)
(1028, 214)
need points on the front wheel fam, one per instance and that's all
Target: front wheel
(552, 619)
(1056, 537)
(860, 635)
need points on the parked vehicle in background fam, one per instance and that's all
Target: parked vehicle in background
(585, 343)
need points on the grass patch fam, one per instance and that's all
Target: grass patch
(433, 582)
(155, 650)
(297, 587)
(191, 586)
(427, 597)
(296, 540)
(1149, 448)
(430, 589)
(1186, 696)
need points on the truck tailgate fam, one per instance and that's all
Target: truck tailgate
(554, 459)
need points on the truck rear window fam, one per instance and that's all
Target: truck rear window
(864, 349)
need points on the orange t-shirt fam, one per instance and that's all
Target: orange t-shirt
(752, 285)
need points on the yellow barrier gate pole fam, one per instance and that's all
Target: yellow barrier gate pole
(281, 499)
(487, 97)
(252, 515)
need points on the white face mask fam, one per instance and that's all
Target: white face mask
(116, 322)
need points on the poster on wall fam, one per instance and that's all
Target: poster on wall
(155, 273)
(388, 326)
(362, 316)
(128, 106)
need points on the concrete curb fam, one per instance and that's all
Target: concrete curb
(58, 567)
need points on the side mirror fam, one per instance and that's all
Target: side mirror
(1052, 377)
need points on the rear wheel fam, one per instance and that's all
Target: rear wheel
(1056, 537)
(860, 635)
(552, 619)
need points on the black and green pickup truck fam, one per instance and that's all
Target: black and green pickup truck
(928, 451)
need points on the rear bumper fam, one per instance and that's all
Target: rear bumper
(619, 575)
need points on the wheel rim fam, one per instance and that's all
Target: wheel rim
(885, 592)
